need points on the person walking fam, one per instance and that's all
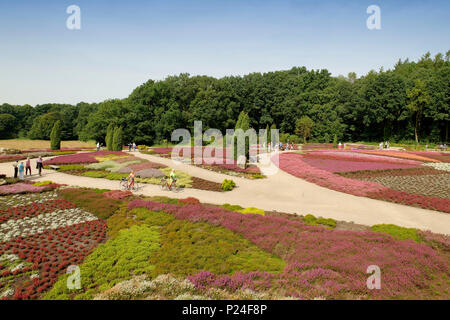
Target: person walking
(28, 166)
(129, 147)
(39, 165)
(98, 146)
(134, 147)
(21, 171)
(16, 169)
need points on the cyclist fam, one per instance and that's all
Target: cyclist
(131, 180)
(173, 178)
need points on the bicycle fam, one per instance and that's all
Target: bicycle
(123, 185)
(172, 187)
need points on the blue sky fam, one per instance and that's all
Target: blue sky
(122, 44)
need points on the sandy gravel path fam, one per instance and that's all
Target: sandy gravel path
(281, 192)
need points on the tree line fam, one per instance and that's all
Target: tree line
(406, 103)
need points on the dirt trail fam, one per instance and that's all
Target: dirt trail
(281, 192)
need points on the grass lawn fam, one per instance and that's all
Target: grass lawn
(23, 144)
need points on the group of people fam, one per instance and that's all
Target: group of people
(21, 169)
(443, 147)
(132, 145)
(278, 147)
(384, 145)
(286, 147)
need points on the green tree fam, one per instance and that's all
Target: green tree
(109, 137)
(117, 142)
(335, 141)
(243, 122)
(43, 125)
(55, 136)
(419, 100)
(303, 127)
(7, 124)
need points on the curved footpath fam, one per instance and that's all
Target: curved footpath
(280, 192)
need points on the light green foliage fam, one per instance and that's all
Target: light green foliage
(252, 210)
(91, 200)
(228, 185)
(162, 199)
(231, 207)
(117, 260)
(188, 248)
(116, 176)
(42, 183)
(152, 218)
(71, 167)
(399, 233)
(184, 180)
(111, 165)
(95, 174)
(311, 220)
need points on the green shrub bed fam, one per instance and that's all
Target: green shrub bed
(91, 200)
(399, 233)
(117, 260)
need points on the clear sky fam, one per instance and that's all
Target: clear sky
(122, 44)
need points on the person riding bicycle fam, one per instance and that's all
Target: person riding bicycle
(131, 180)
(172, 178)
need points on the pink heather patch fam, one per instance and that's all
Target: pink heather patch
(146, 165)
(294, 164)
(346, 166)
(321, 262)
(19, 188)
(11, 157)
(117, 194)
(161, 150)
(85, 157)
(60, 150)
(358, 156)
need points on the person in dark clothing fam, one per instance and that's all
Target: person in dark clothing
(16, 169)
(28, 166)
(39, 165)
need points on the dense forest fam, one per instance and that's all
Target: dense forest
(409, 102)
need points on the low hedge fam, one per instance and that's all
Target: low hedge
(399, 233)
(313, 221)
